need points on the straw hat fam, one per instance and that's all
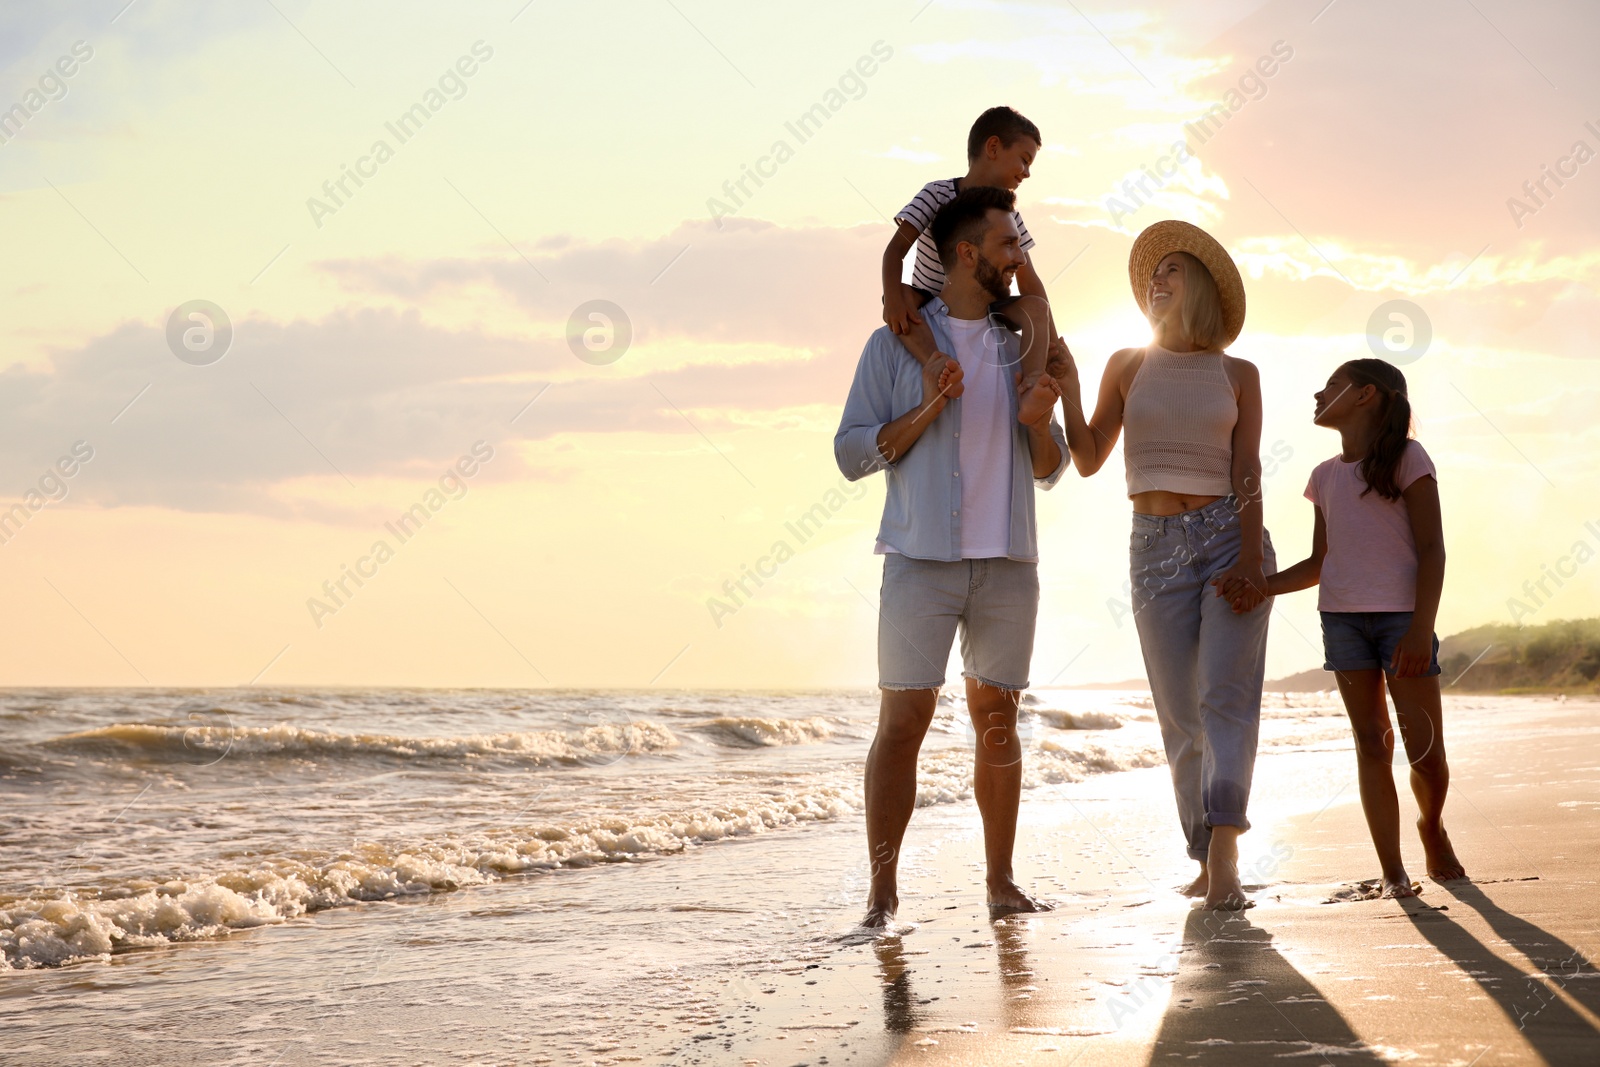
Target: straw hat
(1162, 239)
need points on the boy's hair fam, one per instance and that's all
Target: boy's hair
(966, 218)
(1002, 122)
(1379, 465)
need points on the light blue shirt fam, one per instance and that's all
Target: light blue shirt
(922, 512)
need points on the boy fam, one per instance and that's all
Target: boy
(1000, 148)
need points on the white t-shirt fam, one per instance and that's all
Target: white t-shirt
(984, 441)
(984, 447)
(927, 272)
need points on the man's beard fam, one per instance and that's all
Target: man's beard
(991, 279)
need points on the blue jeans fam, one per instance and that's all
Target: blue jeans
(1205, 664)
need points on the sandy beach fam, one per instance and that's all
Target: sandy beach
(1499, 971)
(608, 964)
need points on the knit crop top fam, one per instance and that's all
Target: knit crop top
(1178, 421)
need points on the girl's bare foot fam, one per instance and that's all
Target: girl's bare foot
(1440, 856)
(1398, 886)
(1200, 886)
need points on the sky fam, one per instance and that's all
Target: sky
(420, 342)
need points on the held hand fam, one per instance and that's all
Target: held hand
(1063, 368)
(941, 381)
(1413, 655)
(1235, 592)
(1248, 585)
(1036, 398)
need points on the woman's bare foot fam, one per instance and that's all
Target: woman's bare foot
(1226, 894)
(880, 913)
(1398, 886)
(1440, 856)
(1008, 898)
(1223, 889)
(1200, 886)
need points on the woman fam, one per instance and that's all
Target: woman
(1192, 414)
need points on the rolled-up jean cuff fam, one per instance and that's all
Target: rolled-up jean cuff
(992, 684)
(1198, 854)
(1228, 818)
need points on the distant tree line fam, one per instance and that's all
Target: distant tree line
(1564, 654)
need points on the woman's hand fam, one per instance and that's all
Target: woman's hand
(1413, 655)
(1244, 585)
(1061, 366)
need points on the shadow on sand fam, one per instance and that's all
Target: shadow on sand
(1237, 1001)
(1533, 1003)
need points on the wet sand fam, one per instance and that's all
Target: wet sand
(1495, 971)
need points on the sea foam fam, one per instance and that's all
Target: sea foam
(607, 739)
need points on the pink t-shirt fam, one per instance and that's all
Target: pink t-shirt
(1371, 563)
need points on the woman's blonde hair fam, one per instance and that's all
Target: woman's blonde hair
(1201, 313)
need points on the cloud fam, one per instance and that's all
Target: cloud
(379, 392)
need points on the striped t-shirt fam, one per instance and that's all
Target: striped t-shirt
(928, 273)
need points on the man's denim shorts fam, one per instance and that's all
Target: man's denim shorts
(1366, 640)
(992, 602)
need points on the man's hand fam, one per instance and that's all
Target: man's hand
(1413, 655)
(941, 381)
(1244, 585)
(900, 308)
(1036, 398)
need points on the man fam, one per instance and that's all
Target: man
(958, 537)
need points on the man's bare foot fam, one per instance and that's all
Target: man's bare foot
(1440, 855)
(1398, 886)
(1008, 898)
(880, 914)
(1200, 886)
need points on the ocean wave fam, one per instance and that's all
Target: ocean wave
(192, 743)
(38, 932)
(764, 733)
(1062, 719)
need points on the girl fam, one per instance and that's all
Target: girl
(1193, 418)
(1378, 551)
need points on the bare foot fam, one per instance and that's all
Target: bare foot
(1223, 891)
(1397, 887)
(1037, 400)
(1200, 886)
(950, 383)
(1441, 857)
(1008, 898)
(880, 914)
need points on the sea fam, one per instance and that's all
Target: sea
(191, 823)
